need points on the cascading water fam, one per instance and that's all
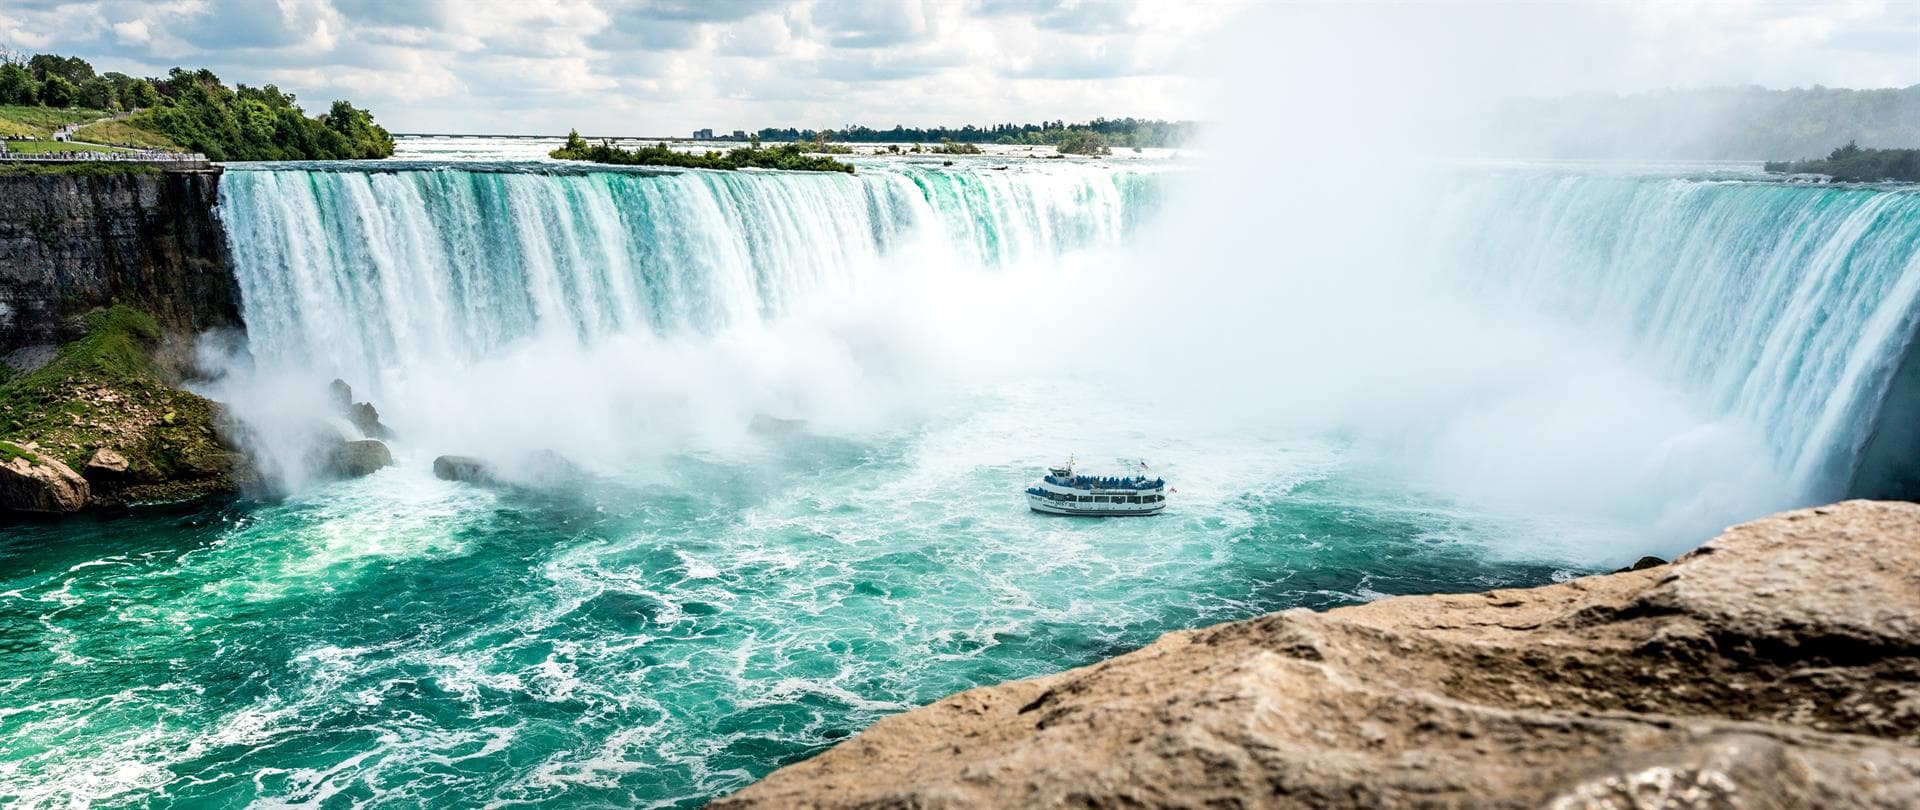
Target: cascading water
(365, 271)
(1785, 306)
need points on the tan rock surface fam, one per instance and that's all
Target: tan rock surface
(32, 481)
(1774, 667)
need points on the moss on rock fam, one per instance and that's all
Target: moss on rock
(103, 391)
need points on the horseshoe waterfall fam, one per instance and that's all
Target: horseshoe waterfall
(754, 446)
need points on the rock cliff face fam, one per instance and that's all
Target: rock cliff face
(71, 243)
(1777, 666)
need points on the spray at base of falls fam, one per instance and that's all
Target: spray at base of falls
(605, 313)
(1671, 352)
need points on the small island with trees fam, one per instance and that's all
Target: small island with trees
(1852, 164)
(787, 157)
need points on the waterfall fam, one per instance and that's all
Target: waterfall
(1785, 309)
(1786, 306)
(360, 271)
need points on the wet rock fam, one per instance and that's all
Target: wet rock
(340, 395)
(29, 359)
(105, 464)
(1777, 666)
(31, 481)
(367, 419)
(359, 458)
(1642, 564)
(462, 468)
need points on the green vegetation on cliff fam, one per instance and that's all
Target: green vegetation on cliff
(104, 391)
(189, 109)
(1853, 164)
(788, 157)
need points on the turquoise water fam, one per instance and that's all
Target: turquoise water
(656, 639)
(717, 594)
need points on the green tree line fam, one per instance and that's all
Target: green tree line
(1115, 132)
(196, 110)
(790, 157)
(1853, 164)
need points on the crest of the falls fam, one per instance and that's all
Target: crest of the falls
(1786, 307)
(364, 271)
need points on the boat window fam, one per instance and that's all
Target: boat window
(1133, 499)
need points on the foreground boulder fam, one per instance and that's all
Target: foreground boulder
(31, 481)
(1777, 666)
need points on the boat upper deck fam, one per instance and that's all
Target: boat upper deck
(1135, 483)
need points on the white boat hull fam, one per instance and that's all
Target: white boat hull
(1085, 509)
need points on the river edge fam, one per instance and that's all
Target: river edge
(1777, 662)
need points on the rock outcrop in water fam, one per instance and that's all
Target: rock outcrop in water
(466, 469)
(355, 459)
(1777, 666)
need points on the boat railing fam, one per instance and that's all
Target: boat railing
(1101, 482)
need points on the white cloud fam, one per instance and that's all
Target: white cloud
(668, 66)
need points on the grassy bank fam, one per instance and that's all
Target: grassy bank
(120, 133)
(104, 391)
(40, 122)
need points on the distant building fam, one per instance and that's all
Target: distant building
(703, 134)
(739, 134)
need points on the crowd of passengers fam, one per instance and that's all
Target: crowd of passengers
(1056, 496)
(1100, 482)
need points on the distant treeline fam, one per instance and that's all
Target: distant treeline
(194, 110)
(1853, 164)
(1114, 132)
(1720, 123)
(789, 157)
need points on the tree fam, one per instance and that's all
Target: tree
(1084, 142)
(72, 68)
(56, 91)
(17, 85)
(98, 94)
(139, 95)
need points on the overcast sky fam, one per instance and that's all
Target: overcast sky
(668, 66)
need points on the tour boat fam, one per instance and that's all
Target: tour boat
(1063, 491)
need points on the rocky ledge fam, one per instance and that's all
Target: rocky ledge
(99, 422)
(1777, 666)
